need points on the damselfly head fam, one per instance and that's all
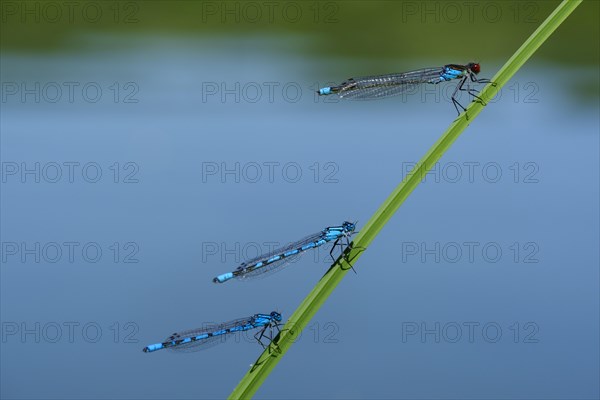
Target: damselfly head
(474, 67)
(349, 226)
(276, 316)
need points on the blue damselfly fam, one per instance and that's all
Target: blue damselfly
(201, 338)
(380, 86)
(276, 259)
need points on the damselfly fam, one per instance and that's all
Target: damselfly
(379, 86)
(276, 259)
(201, 338)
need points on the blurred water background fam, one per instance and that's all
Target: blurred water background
(147, 147)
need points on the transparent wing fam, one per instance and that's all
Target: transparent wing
(279, 265)
(247, 269)
(284, 249)
(269, 269)
(380, 86)
(201, 344)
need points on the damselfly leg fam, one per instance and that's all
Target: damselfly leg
(472, 92)
(344, 247)
(259, 335)
(454, 101)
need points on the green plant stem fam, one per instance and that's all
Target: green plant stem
(315, 299)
